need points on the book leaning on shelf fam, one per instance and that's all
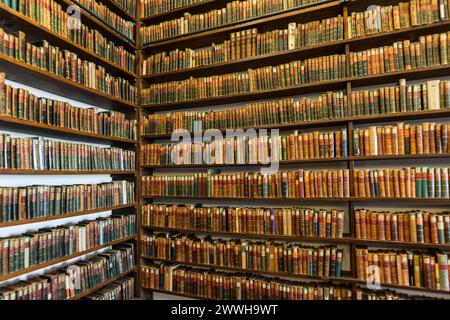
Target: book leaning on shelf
(287, 184)
(418, 226)
(235, 11)
(402, 139)
(21, 104)
(301, 222)
(430, 95)
(245, 150)
(248, 43)
(404, 15)
(407, 183)
(50, 14)
(236, 286)
(153, 7)
(74, 279)
(286, 75)
(122, 289)
(33, 202)
(292, 258)
(65, 64)
(45, 245)
(404, 268)
(42, 154)
(121, 25)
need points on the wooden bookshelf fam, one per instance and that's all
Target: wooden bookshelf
(63, 259)
(297, 200)
(345, 240)
(174, 13)
(325, 123)
(63, 172)
(42, 128)
(102, 285)
(287, 162)
(96, 22)
(113, 6)
(345, 279)
(35, 77)
(35, 29)
(24, 73)
(301, 53)
(65, 215)
(313, 87)
(204, 37)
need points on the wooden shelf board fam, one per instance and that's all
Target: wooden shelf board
(64, 216)
(62, 259)
(104, 284)
(26, 125)
(34, 29)
(23, 73)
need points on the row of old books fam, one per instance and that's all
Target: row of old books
(250, 43)
(426, 138)
(21, 104)
(154, 7)
(286, 75)
(65, 64)
(428, 51)
(405, 268)
(402, 183)
(245, 150)
(406, 183)
(333, 183)
(403, 15)
(292, 258)
(116, 22)
(129, 6)
(50, 14)
(402, 139)
(400, 56)
(235, 11)
(45, 245)
(247, 43)
(430, 95)
(203, 283)
(416, 226)
(302, 222)
(37, 153)
(122, 289)
(39, 201)
(71, 280)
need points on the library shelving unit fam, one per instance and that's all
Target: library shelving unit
(312, 12)
(41, 79)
